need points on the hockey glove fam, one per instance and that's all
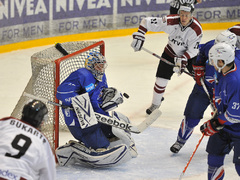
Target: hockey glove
(211, 127)
(111, 99)
(138, 38)
(181, 64)
(199, 72)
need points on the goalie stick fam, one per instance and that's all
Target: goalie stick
(109, 120)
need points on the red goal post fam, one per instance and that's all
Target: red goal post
(49, 69)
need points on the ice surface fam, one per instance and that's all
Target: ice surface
(133, 73)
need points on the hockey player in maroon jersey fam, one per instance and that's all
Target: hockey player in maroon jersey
(25, 152)
(185, 34)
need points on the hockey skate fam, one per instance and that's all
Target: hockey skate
(152, 108)
(175, 148)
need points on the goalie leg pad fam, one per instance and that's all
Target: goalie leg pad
(125, 136)
(65, 155)
(101, 157)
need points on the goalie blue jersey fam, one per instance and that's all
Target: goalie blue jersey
(79, 82)
(227, 98)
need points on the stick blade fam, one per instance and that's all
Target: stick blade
(149, 120)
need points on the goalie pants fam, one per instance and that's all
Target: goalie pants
(95, 136)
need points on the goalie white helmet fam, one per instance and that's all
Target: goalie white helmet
(227, 37)
(97, 64)
(221, 51)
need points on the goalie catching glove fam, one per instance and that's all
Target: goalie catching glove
(111, 99)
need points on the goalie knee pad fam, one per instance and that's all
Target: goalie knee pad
(124, 136)
(111, 99)
(77, 153)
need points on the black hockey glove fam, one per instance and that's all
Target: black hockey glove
(211, 127)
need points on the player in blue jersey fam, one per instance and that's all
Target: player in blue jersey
(198, 100)
(224, 127)
(94, 137)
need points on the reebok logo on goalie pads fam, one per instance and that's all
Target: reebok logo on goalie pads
(112, 122)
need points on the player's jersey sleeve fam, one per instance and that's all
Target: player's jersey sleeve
(229, 108)
(203, 53)
(47, 164)
(156, 24)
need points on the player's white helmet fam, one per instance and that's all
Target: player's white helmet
(97, 64)
(221, 51)
(186, 7)
(227, 37)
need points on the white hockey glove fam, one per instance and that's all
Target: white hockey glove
(181, 64)
(138, 40)
(111, 99)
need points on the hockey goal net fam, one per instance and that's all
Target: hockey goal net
(49, 68)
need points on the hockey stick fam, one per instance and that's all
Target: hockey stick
(184, 170)
(164, 60)
(109, 120)
(200, 140)
(60, 48)
(206, 91)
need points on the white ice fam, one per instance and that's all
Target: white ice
(133, 73)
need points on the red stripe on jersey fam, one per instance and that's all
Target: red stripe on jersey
(186, 55)
(196, 26)
(173, 19)
(170, 51)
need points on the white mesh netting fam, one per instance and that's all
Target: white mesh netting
(46, 64)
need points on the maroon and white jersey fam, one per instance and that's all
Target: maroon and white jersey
(182, 41)
(236, 30)
(25, 152)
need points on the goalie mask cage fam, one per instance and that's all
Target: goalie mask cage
(49, 68)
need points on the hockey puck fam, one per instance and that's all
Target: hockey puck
(126, 95)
